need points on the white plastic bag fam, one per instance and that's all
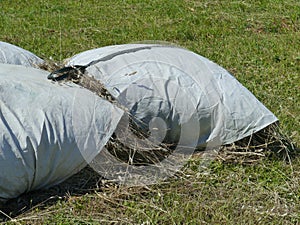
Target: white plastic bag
(49, 131)
(177, 85)
(12, 54)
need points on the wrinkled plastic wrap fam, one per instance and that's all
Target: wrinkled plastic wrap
(177, 85)
(49, 131)
(12, 54)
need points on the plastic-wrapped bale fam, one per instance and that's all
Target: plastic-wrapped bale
(49, 131)
(180, 87)
(12, 54)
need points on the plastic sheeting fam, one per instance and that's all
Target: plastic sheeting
(177, 86)
(49, 131)
(12, 54)
(52, 130)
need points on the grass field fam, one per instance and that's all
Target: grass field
(257, 41)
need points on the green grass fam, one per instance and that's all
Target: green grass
(258, 41)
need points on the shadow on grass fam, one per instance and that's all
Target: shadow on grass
(86, 181)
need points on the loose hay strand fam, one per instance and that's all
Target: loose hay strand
(49, 65)
(268, 142)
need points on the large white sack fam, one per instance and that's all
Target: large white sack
(49, 131)
(178, 86)
(12, 54)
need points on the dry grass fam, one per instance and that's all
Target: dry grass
(268, 142)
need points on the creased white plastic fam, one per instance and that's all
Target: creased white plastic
(42, 130)
(149, 80)
(12, 54)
